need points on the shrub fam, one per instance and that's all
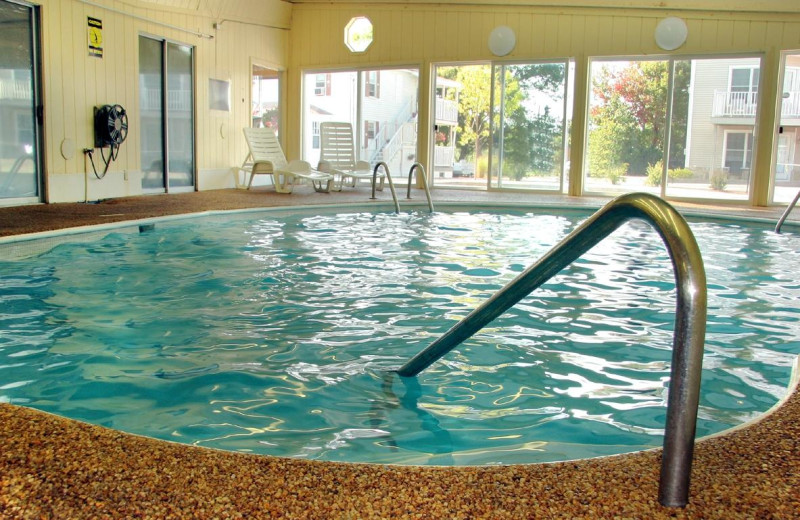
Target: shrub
(615, 174)
(654, 172)
(482, 166)
(719, 180)
(680, 173)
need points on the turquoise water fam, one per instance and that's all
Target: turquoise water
(275, 334)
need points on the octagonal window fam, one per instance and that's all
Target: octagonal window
(358, 34)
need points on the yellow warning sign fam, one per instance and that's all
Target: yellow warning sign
(95, 33)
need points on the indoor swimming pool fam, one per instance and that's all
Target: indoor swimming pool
(276, 332)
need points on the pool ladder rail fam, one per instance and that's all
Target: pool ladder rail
(689, 332)
(789, 209)
(423, 178)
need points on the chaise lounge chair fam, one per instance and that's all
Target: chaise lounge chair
(337, 156)
(266, 157)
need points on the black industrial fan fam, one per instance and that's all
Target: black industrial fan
(110, 126)
(110, 131)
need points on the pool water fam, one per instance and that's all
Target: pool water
(276, 333)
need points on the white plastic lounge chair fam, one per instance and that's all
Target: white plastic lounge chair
(266, 157)
(337, 156)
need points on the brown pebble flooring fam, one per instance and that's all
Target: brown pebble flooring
(52, 467)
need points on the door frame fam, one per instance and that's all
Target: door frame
(165, 117)
(37, 106)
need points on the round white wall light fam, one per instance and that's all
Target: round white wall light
(502, 40)
(671, 33)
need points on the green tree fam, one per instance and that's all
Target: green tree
(529, 139)
(529, 142)
(546, 140)
(629, 122)
(534, 134)
(544, 77)
(474, 108)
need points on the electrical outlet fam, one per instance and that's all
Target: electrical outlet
(125, 175)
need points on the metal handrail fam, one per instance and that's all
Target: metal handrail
(789, 209)
(690, 321)
(424, 179)
(391, 184)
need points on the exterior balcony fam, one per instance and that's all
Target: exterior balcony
(177, 100)
(741, 107)
(446, 112)
(16, 90)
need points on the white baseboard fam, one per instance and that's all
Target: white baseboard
(77, 187)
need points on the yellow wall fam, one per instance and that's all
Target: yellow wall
(407, 34)
(74, 82)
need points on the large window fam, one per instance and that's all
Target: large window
(381, 106)
(696, 143)
(265, 98)
(19, 95)
(744, 80)
(164, 66)
(322, 85)
(462, 110)
(529, 124)
(786, 163)
(373, 84)
(371, 131)
(738, 151)
(501, 126)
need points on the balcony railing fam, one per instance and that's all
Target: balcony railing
(745, 104)
(443, 156)
(446, 111)
(734, 104)
(790, 105)
(177, 100)
(15, 89)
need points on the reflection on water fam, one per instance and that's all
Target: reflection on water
(279, 335)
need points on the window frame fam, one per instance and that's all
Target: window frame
(322, 88)
(747, 151)
(372, 88)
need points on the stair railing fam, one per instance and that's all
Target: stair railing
(391, 184)
(789, 209)
(689, 332)
(424, 179)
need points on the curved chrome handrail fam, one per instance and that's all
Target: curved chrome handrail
(391, 184)
(789, 209)
(690, 320)
(424, 179)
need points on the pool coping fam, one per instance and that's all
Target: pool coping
(590, 207)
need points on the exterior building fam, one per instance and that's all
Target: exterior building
(380, 104)
(724, 99)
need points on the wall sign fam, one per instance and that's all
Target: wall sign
(219, 94)
(95, 33)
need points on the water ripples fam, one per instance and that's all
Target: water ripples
(280, 335)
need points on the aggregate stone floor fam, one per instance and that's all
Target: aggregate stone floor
(51, 467)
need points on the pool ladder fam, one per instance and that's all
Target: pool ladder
(690, 321)
(423, 178)
(789, 209)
